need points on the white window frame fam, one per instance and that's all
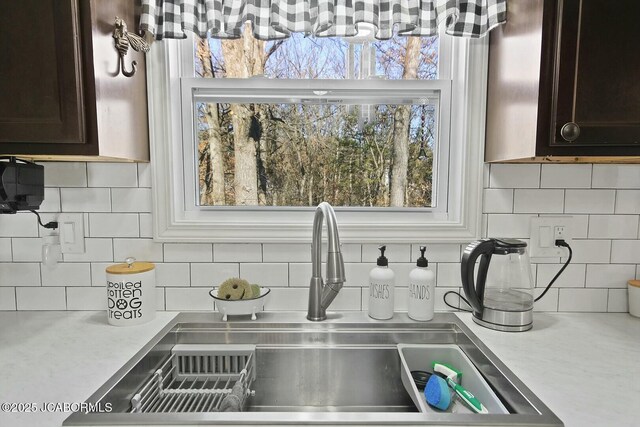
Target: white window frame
(171, 122)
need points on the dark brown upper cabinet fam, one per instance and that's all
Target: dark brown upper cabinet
(60, 97)
(564, 82)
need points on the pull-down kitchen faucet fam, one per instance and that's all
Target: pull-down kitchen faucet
(320, 294)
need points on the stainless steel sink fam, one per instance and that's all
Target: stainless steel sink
(344, 371)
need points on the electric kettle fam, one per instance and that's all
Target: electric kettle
(501, 296)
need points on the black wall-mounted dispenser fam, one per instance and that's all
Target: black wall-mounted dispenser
(21, 185)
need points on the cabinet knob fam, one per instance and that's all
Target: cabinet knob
(570, 131)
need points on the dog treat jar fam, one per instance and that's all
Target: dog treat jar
(131, 293)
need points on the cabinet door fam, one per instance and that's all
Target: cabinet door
(597, 83)
(41, 96)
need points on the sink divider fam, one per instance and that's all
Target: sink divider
(420, 357)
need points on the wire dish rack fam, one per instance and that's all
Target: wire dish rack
(199, 378)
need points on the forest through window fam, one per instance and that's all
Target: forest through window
(296, 152)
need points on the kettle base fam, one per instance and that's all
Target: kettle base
(506, 321)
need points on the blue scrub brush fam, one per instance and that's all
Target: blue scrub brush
(437, 393)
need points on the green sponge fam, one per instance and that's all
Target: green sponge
(256, 291)
(235, 289)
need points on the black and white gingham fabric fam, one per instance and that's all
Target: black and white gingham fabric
(275, 19)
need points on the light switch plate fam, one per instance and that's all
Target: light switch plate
(71, 233)
(544, 232)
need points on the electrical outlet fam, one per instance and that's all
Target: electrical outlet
(545, 230)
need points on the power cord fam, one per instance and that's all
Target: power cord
(559, 242)
(50, 225)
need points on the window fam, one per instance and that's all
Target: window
(248, 137)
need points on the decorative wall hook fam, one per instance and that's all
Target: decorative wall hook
(123, 39)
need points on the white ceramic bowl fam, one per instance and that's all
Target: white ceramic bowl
(241, 307)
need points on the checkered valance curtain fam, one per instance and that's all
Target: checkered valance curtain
(275, 19)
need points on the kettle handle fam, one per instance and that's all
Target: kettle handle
(474, 294)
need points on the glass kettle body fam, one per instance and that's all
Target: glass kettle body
(500, 287)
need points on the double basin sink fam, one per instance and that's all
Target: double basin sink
(344, 371)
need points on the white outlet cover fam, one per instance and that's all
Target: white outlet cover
(71, 233)
(542, 243)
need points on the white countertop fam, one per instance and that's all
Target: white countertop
(585, 367)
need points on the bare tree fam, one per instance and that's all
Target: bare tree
(401, 126)
(245, 57)
(212, 192)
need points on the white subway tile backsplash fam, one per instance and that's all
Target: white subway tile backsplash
(613, 226)
(566, 176)
(583, 300)
(95, 249)
(278, 252)
(19, 274)
(452, 299)
(7, 298)
(85, 199)
(395, 253)
(144, 175)
(113, 225)
(498, 200)
(146, 225)
(350, 252)
(288, 299)
(625, 252)
(591, 251)
(616, 176)
(131, 199)
(5, 249)
(347, 299)
(172, 275)
(448, 275)
(99, 273)
(188, 252)
(237, 252)
(211, 275)
(39, 298)
(438, 252)
(572, 277)
(509, 225)
(618, 301)
(188, 299)
(160, 299)
(27, 249)
(67, 274)
(265, 274)
(549, 301)
(140, 249)
(86, 298)
(357, 274)
(118, 223)
(538, 201)
(514, 176)
(400, 299)
(65, 174)
(589, 201)
(112, 174)
(300, 274)
(22, 224)
(579, 226)
(51, 202)
(609, 275)
(628, 201)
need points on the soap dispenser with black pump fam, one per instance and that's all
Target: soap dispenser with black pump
(381, 288)
(421, 290)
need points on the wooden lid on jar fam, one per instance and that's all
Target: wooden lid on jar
(130, 266)
(634, 283)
